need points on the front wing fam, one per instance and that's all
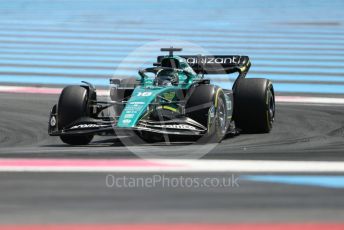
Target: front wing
(178, 126)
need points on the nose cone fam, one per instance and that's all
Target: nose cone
(137, 106)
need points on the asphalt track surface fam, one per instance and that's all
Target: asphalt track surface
(301, 132)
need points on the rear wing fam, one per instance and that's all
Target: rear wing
(219, 64)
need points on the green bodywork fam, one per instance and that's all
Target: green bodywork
(147, 93)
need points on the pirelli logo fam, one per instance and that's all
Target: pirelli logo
(213, 60)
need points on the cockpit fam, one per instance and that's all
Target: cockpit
(177, 63)
(167, 77)
(163, 76)
(171, 71)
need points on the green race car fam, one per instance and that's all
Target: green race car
(171, 99)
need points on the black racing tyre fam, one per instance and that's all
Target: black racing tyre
(199, 100)
(254, 105)
(208, 107)
(72, 105)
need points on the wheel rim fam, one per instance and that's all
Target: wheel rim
(221, 116)
(271, 109)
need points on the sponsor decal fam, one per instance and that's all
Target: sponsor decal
(213, 60)
(144, 94)
(176, 126)
(169, 95)
(126, 121)
(129, 115)
(87, 126)
(136, 103)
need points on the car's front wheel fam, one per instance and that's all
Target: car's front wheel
(207, 106)
(72, 105)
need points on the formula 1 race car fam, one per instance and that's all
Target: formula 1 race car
(171, 98)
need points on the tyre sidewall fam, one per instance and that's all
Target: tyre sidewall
(252, 98)
(72, 105)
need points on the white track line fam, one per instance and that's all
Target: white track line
(311, 100)
(186, 166)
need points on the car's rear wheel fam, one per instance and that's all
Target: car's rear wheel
(254, 105)
(72, 105)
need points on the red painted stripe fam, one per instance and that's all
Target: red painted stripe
(34, 90)
(310, 226)
(38, 90)
(78, 163)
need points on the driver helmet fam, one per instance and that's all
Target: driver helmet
(167, 78)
